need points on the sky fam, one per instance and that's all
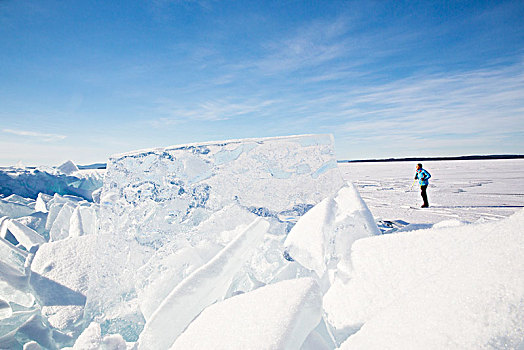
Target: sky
(83, 80)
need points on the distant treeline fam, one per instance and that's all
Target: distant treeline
(420, 159)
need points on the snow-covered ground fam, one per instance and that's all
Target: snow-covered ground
(469, 190)
(259, 244)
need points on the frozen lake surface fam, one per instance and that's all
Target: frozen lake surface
(469, 190)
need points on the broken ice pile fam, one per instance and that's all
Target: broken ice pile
(42, 291)
(254, 244)
(66, 179)
(194, 235)
(167, 212)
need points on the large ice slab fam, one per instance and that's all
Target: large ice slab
(162, 273)
(278, 316)
(308, 241)
(60, 228)
(14, 275)
(35, 221)
(12, 256)
(153, 197)
(456, 287)
(10, 326)
(186, 183)
(203, 287)
(41, 202)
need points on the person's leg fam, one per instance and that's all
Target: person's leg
(424, 195)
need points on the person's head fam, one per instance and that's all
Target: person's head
(419, 166)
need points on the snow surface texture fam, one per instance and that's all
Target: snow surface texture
(277, 316)
(467, 191)
(60, 274)
(435, 289)
(152, 198)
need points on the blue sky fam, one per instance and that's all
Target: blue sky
(82, 80)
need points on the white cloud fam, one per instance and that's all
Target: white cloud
(487, 100)
(211, 110)
(35, 135)
(469, 112)
(312, 45)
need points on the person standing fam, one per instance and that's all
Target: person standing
(423, 176)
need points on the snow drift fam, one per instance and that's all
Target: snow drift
(457, 287)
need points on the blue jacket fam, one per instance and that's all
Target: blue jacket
(422, 176)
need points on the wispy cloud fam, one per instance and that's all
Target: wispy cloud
(462, 103)
(211, 110)
(471, 111)
(35, 135)
(311, 45)
(327, 50)
(434, 112)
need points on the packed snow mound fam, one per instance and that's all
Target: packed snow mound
(457, 287)
(277, 316)
(152, 198)
(60, 275)
(65, 180)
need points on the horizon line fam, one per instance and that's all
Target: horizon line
(408, 159)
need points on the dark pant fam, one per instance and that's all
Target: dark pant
(424, 194)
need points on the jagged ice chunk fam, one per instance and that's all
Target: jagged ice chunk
(203, 287)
